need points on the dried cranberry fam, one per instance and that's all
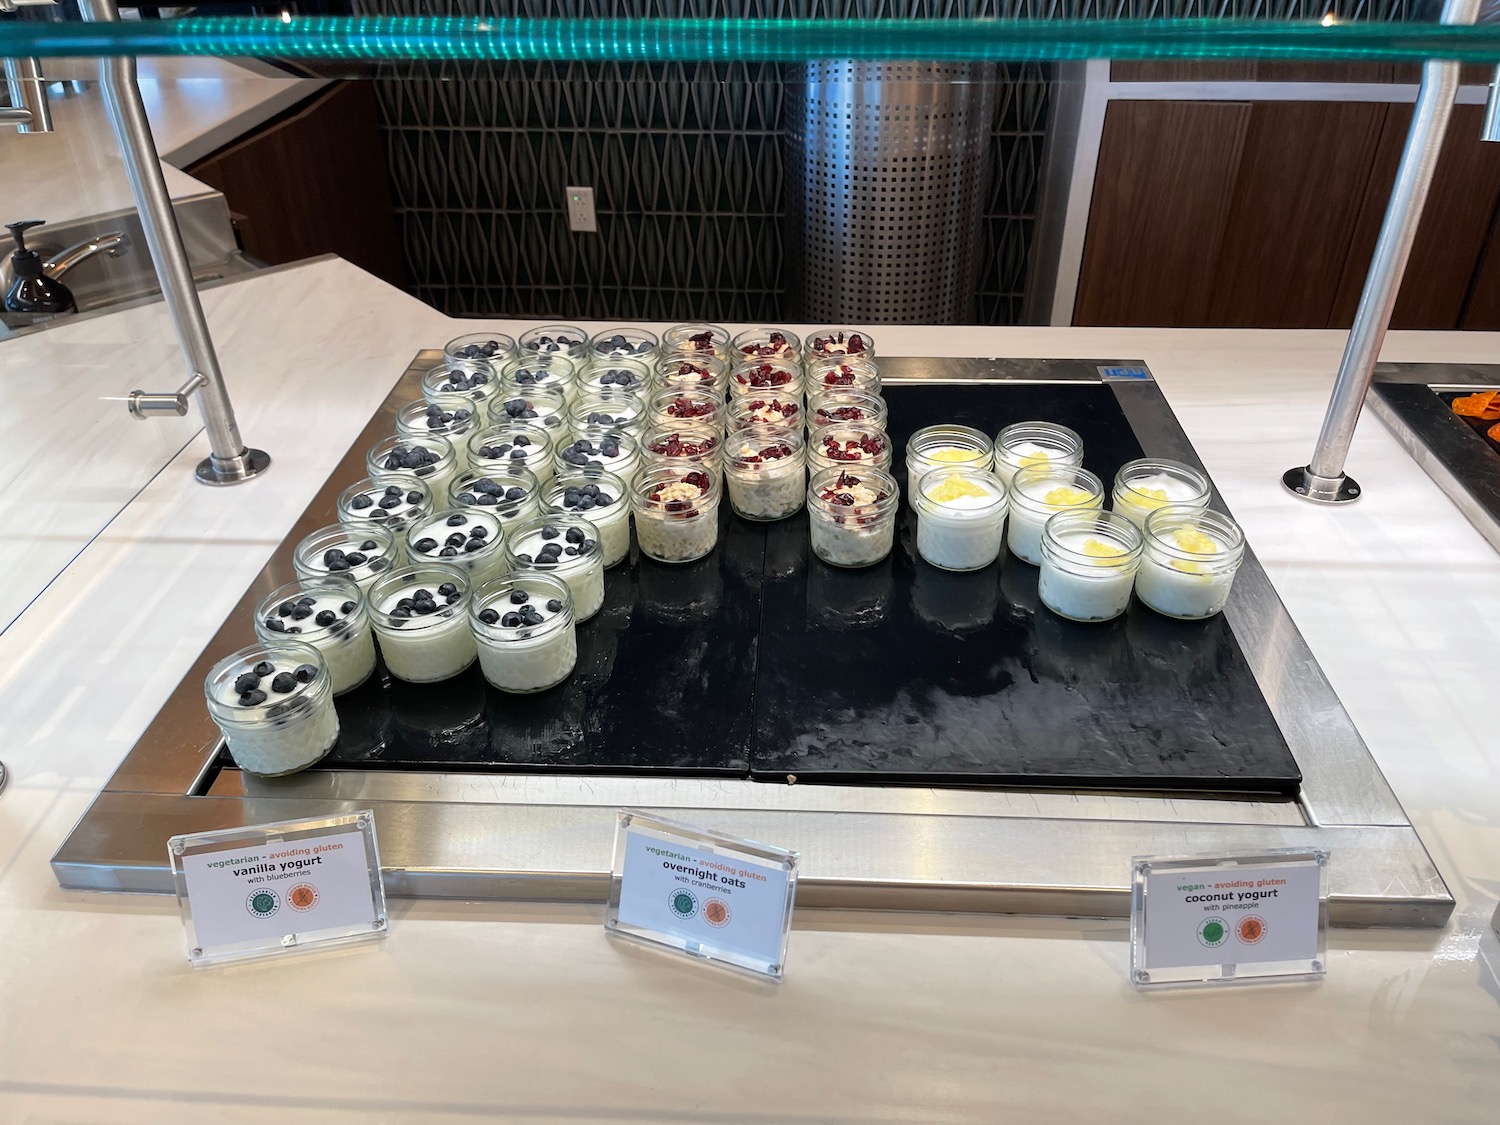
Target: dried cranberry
(678, 505)
(698, 480)
(704, 341)
(856, 343)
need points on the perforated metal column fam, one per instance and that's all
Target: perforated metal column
(886, 168)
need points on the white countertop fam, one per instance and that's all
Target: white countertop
(527, 1013)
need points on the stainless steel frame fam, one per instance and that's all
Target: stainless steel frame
(514, 836)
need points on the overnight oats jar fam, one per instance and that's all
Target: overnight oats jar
(453, 419)
(430, 459)
(510, 492)
(331, 615)
(676, 512)
(765, 472)
(598, 496)
(852, 515)
(615, 343)
(361, 555)
(1089, 561)
(677, 372)
(960, 517)
(1025, 444)
(613, 375)
(274, 705)
(686, 447)
(598, 448)
(541, 408)
(848, 374)
(553, 339)
(471, 540)
(539, 372)
(765, 376)
(393, 501)
(1039, 492)
(830, 407)
(442, 384)
(942, 446)
(766, 343)
(1190, 559)
(695, 339)
(839, 344)
(501, 446)
(565, 547)
(421, 614)
(686, 408)
(478, 351)
(1143, 486)
(607, 412)
(774, 409)
(848, 443)
(524, 628)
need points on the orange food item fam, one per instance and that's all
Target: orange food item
(1494, 432)
(1480, 405)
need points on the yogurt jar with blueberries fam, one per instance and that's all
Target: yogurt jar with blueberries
(500, 446)
(600, 497)
(421, 614)
(478, 351)
(328, 613)
(443, 384)
(613, 375)
(453, 419)
(274, 705)
(615, 343)
(766, 343)
(429, 458)
(765, 471)
(554, 339)
(510, 492)
(471, 540)
(598, 449)
(676, 512)
(524, 628)
(852, 515)
(361, 555)
(539, 372)
(542, 408)
(607, 412)
(394, 501)
(567, 548)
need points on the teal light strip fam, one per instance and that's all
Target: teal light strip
(381, 38)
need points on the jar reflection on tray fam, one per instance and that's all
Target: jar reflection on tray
(444, 721)
(366, 725)
(841, 599)
(680, 592)
(955, 601)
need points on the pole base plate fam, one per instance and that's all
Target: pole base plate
(220, 471)
(1302, 484)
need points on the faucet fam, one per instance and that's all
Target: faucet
(113, 244)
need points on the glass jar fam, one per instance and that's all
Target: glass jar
(1150, 483)
(960, 517)
(686, 408)
(848, 443)
(695, 339)
(852, 514)
(607, 412)
(765, 471)
(600, 497)
(610, 375)
(471, 539)
(939, 446)
(1035, 443)
(614, 343)
(1089, 560)
(765, 343)
(510, 492)
(542, 408)
(772, 409)
(600, 449)
(478, 351)
(685, 446)
(361, 556)
(824, 374)
(393, 501)
(566, 547)
(839, 344)
(331, 615)
(676, 512)
(677, 372)
(499, 446)
(1039, 492)
(528, 373)
(274, 705)
(554, 339)
(452, 418)
(421, 614)
(829, 407)
(1190, 560)
(524, 629)
(443, 383)
(763, 376)
(430, 459)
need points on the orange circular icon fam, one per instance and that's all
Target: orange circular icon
(1250, 929)
(716, 912)
(304, 896)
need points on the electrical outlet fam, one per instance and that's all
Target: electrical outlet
(581, 209)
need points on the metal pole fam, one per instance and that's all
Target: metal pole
(229, 461)
(28, 92)
(1323, 478)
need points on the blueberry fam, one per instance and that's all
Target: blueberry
(488, 616)
(617, 342)
(252, 698)
(451, 598)
(426, 546)
(339, 565)
(604, 500)
(285, 609)
(414, 497)
(307, 599)
(590, 490)
(523, 441)
(575, 535)
(393, 490)
(347, 608)
(380, 564)
(524, 558)
(532, 414)
(514, 406)
(247, 681)
(457, 519)
(389, 502)
(354, 558)
(570, 551)
(334, 555)
(379, 513)
(264, 669)
(425, 607)
(593, 465)
(586, 546)
(554, 606)
(448, 552)
(609, 448)
(518, 454)
(294, 628)
(511, 620)
(550, 532)
(399, 614)
(302, 613)
(283, 683)
(572, 490)
(305, 673)
(515, 493)
(361, 502)
(519, 597)
(607, 379)
(368, 545)
(422, 595)
(570, 501)
(447, 588)
(404, 603)
(585, 504)
(473, 545)
(480, 532)
(487, 501)
(467, 498)
(454, 540)
(325, 618)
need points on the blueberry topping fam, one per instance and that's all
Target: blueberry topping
(304, 673)
(285, 608)
(334, 555)
(379, 513)
(515, 493)
(474, 545)
(511, 620)
(554, 606)
(488, 616)
(467, 498)
(283, 683)
(604, 500)
(264, 668)
(246, 681)
(454, 540)
(524, 558)
(252, 698)
(369, 545)
(414, 497)
(448, 552)
(347, 608)
(360, 502)
(487, 500)
(302, 613)
(325, 618)
(307, 599)
(339, 565)
(585, 504)
(400, 612)
(575, 535)
(354, 558)
(550, 532)
(519, 597)
(426, 546)
(480, 532)
(457, 519)
(389, 502)
(447, 588)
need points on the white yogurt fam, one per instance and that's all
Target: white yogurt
(471, 539)
(960, 518)
(526, 635)
(432, 460)
(360, 557)
(1024, 444)
(333, 623)
(1037, 495)
(579, 560)
(1141, 487)
(603, 501)
(615, 453)
(422, 648)
(1100, 595)
(279, 725)
(393, 503)
(1190, 562)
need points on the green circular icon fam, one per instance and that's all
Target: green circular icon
(1212, 932)
(684, 904)
(262, 904)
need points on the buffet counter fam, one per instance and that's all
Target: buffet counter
(526, 1012)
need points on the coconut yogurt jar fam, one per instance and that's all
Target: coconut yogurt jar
(551, 339)
(676, 512)
(429, 458)
(829, 407)
(361, 555)
(1024, 444)
(1143, 486)
(420, 614)
(960, 517)
(471, 539)
(765, 343)
(771, 409)
(600, 497)
(328, 613)
(852, 515)
(1089, 562)
(393, 501)
(1189, 562)
(274, 705)
(848, 443)
(500, 446)
(566, 547)
(938, 446)
(524, 628)
(1039, 492)
(511, 492)
(765, 472)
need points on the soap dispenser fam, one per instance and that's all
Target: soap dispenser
(33, 296)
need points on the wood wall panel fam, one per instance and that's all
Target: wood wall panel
(1481, 312)
(1165, 177)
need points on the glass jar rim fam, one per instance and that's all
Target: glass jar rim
(434, 376)
(763, 333)
(826, 478)
(1174, 517)
(1061, 437)
(404, 478)
(541, 330)
(628, 332)
(556, 488)
(761, 435)
(424, 573)
(705, 430)
(523, 478)
(812, 348)
(245, 660)
(324, 538)
(437, 443)
(650, 477)
(1069, 476)
(925, 505)
(948, 433)
(500, 587)
(507, 345)
(696, 328)
(1155, 466)
(568, 564)
(417, 528)
(289, 591)
(1122, 532)
(415, 413)
(534, 435)
(843, 429)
